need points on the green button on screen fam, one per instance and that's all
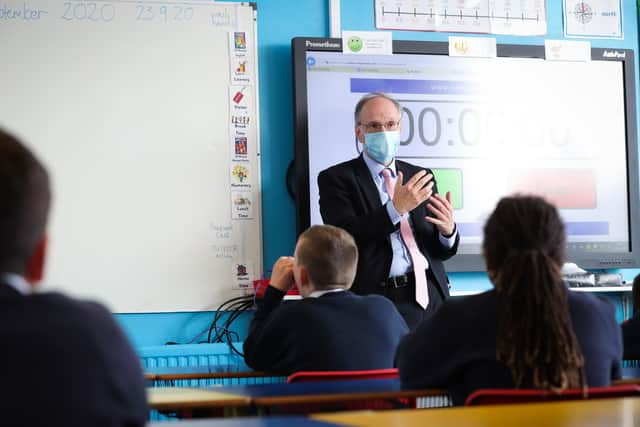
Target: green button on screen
(450, 180)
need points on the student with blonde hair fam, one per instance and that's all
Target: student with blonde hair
(332, 328)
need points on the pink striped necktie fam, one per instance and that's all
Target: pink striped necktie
(419, 262)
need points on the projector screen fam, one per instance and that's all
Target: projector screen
(487, 127)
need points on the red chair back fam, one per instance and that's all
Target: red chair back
(502, 396)
(310, 376)
(375, 404)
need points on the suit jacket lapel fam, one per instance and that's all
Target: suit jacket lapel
(365, 181)
(402, 167)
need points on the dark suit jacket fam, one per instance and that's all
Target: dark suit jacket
(65, 362)
(462, 355)
(349, 199)
(631, 337)
(337, 331)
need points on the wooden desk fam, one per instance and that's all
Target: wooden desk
(305, 397)
(263, 395)
(624, 412)
(177, 398)
(266, 395)
(296, 421)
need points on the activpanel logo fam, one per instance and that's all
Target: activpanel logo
(615, 54)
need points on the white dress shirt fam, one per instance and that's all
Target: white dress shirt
(317, 294)
(17, 282)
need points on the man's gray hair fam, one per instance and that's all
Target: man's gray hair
(368, 97)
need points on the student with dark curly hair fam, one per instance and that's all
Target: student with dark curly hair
(530, 331)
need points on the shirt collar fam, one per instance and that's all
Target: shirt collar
(17, 282)
(376, 168)
(317, 294)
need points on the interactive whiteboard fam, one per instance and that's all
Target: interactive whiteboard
(487, 127)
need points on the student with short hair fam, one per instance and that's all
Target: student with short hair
(63, 362)
(331, 328)
(631, 328)
(530, 331)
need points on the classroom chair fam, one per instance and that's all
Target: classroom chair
(313, 376)
(505, 396)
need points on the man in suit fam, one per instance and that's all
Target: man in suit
(63, 362)
(394, 212)
(331, 328)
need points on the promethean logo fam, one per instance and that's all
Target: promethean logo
(325, 44)
(613, 54)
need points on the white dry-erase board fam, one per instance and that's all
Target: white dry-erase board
(145, 113)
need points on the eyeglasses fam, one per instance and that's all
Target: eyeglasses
(379, 127)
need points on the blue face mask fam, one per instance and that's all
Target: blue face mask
(382, 146)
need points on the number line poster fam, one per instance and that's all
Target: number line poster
(593, 18)
(525, 17)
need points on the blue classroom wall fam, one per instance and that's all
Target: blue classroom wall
(149, 329)
(278, 22)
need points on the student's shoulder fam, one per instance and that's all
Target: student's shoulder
(370, 303)
(297, 308)
(373, 299)
(469, 306)
(56, 299)
(479, 298)
(590, 301)
(66, 306)
(590, 307)
(346, 299)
